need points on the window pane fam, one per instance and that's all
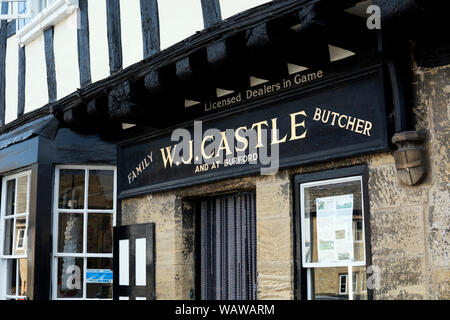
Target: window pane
(23, 268)
(101, 188)
(71, 189)
(329, 283)
(11, 277)
(361, 288)
(99, 233)
(20, 233)
(99, 279)
(331, 213)
(10, 197)
(70, 278)
(70, 233)
(22, 195)
(8, 239)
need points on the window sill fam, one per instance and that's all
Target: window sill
(56, 12)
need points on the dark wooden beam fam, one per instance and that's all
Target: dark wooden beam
(228, 60)
(150, 27)
(194, 75)
(3, 37)
(114, 35)
(211, 12)
(21, 82)
(122, 107)
(50, 64)
(84, 56)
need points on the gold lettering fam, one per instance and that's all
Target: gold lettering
(241, 139)
(203, 147)
(168, 158)
(339, 121)
(367, 128)
(274, 133)
(258, 125)
(224, 144)
(294, 126)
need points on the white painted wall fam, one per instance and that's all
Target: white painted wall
(132, 46)
(66, 56)
(178, 20)
(36, 90)
(11, 78)
(98, 39)
(231, 7)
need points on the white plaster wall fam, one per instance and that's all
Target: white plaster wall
(132, 46)
(36, 90)
(98, 39)
(178, 20)
(66, 56)
(231, 7)
(11, 77)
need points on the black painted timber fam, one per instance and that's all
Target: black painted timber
(150, 27)
(21, 82)
(84, 57)
(50, 63)
(211, 12)
(114, 35)
(3, 37)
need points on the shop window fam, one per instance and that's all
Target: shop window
(228, 247)
(331, 245)
(84, 216)
(13, 236)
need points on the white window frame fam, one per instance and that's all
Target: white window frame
(41, 19)
(84, 211)
(303, 186)
(23, 238)
(23, 215)
(310, 265)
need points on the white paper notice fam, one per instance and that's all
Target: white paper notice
(334, 228)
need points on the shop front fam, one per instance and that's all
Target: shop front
(236, 211)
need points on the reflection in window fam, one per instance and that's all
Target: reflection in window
(84, 213)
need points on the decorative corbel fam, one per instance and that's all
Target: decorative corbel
(409, 160)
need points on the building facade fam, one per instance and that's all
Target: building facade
(218, 149)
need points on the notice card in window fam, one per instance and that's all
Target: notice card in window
(334, 229)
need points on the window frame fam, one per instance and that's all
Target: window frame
(85, 211)
(302, 275)
(4, 259)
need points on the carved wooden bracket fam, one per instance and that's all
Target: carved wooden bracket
(409, 160)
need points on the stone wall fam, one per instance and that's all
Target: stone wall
(409, 225)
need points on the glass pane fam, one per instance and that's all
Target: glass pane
(99, 233)
(99, 278)
(11, 277)
(10, 197)
(70, 233)
(101, 189)
(71, 189)
(361, 288)
(21, 225)
(22, 195)
(8, 239)
(23, 268)
(333, 225)
(329, 283)
(333, 283)
(70, 278)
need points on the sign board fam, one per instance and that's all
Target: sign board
(342, 119)
(99, 276)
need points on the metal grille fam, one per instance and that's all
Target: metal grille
(228, 248)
